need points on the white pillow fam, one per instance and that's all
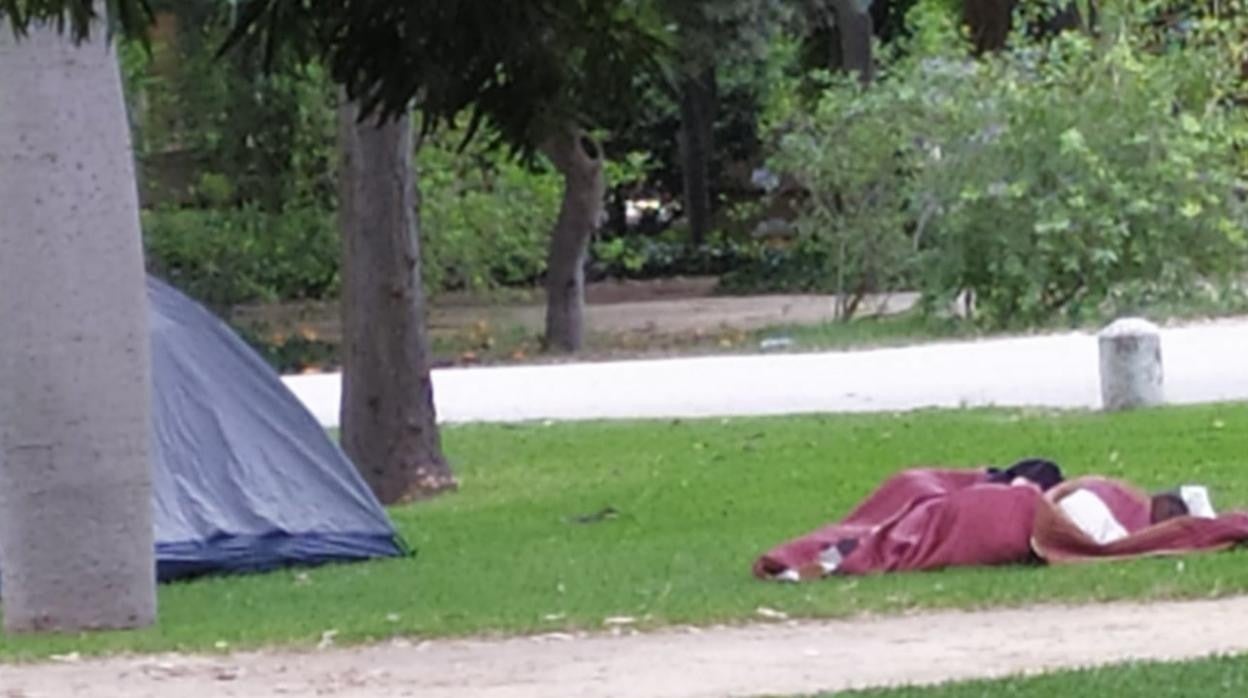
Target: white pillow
(1092, 516)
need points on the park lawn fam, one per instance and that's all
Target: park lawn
(1216, 677)
(696, 502)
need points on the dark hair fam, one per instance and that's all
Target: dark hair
(1167, 505)
(1045, 473)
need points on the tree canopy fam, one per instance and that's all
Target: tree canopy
(520, 64)
(132, 17)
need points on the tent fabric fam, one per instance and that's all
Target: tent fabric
(244, 477)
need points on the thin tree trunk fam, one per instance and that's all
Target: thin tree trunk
(389, 425)
(988, 22)
(697, 118)
(579, 159)
(76, 539)
(852, 51)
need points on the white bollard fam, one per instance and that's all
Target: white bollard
(1131, 371)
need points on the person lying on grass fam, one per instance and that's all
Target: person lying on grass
(928, 518)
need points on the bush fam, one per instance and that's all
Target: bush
(1077, 180)
(799, 268)
(1060, 179)
(641, 257)
(485, 218)
(225, 257)
(852, 153)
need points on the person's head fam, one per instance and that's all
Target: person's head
(1042, 473)
(1166, 506)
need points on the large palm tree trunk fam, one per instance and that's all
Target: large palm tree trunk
(76, 548)
(389, 426)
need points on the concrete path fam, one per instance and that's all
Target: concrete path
(1205, 362)
(779, 659)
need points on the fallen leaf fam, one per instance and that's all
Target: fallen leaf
(327, 639)
(771, 613)
(619, 620)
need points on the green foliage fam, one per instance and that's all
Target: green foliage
(249, 136)
(851, 154)
(1063, 179)
(485, 218)
(1081, 179)
(484, 222)
(131, 17)
(802, 267)
(225, 257)
(696, 504)
(519, 66)
(640, 257)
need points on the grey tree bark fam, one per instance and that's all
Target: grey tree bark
(851, 45)
(697, 118)
(579, 159)
(76, 540)
(389, 425)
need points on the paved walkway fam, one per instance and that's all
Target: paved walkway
(1206, 362)
(776, 659)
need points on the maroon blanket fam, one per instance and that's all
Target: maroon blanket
(919, 519)
(1057, 540)
(931, 518)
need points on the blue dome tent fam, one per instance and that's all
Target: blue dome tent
(244, 477)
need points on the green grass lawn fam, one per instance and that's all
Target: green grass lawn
(696, 502)
(1220, 677)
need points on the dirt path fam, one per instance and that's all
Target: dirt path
(663, 307)
(776, 659)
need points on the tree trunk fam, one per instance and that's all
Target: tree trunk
(697, 120)
(76, 539)
(852, 51)
(988, 22)
(579, 159)
(389, 426)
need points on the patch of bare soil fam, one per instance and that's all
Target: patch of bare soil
(778, 658)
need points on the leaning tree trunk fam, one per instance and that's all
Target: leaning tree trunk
(579, 159)
(851, 42)
(76, 540)
(697, 117)
(389, 426)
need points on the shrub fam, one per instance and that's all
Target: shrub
(1078, 179)
(485, 218)
(642, 257)
(225, 257)
(1059, 179)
